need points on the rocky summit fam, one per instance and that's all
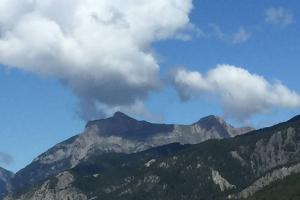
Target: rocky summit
(119, 134)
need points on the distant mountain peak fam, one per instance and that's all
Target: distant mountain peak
(116, 119)
(218, 123)
(119, 114)
(212, 118)
(124, 126)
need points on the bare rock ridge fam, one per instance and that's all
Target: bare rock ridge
(121, 134)
(124, 126)
(121, 125)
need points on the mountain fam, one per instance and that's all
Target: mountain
(251, 166)
(5, 177)
(120, 134)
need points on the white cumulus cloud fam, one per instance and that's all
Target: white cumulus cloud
(100, 49)
(241, 93)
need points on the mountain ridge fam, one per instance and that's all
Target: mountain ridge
(230, 168)
(120, 134)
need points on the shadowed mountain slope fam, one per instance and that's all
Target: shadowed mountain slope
(5, 178)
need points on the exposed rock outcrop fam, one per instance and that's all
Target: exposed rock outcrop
(58, 189)
(220, 181)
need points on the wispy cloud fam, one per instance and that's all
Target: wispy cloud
(279, 16)
(240, 36)
(274, 15)
(6, 158)
(217, 32)
(190, 32)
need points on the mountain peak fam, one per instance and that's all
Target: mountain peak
(119, 114)
(223, 128)
(211, 119)
(124, 126)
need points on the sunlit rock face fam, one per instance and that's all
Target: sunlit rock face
(61, 189)
(122, 134)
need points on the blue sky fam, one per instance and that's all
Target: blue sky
(38, 111)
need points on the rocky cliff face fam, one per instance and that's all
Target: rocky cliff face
(60, 189)
(232, 168)
(5, 177)
(121, 134)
